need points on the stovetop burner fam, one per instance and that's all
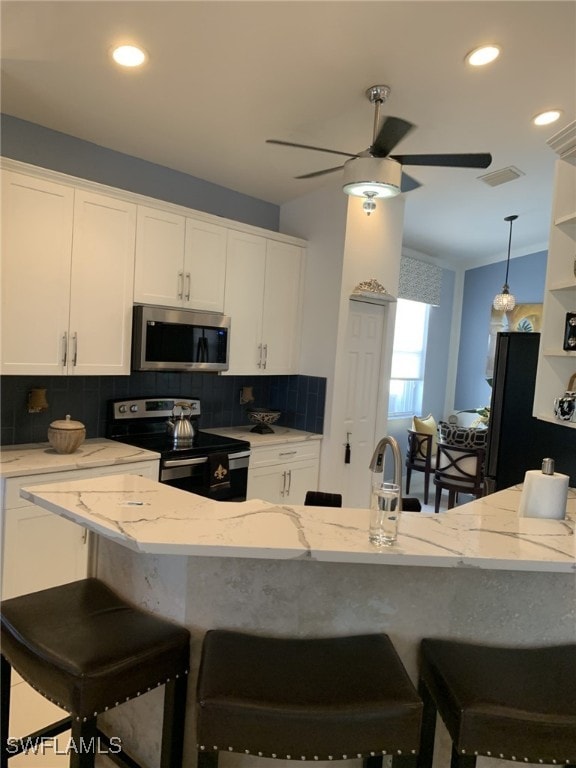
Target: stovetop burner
(143, 423)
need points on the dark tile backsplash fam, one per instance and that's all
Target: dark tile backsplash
(300, 398)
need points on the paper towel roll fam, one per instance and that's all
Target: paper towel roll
(544, 495)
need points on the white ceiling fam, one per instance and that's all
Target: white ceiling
(224, 76)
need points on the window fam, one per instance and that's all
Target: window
(408, 358)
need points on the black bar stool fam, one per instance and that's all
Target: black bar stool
(86, 650)
(515, 704)
(305, 699)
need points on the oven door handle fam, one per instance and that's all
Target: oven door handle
(184, 462)
(240, 455)
(202, 460)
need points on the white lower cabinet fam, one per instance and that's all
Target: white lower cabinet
(283, 473)
(40, 549)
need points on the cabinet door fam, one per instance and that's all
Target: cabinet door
(41, 551)
(204, 266)
(159, 267)
(243, 299)
(302, 476)
(282, 308)
(102, 285)
(36, 257)
(267, 483)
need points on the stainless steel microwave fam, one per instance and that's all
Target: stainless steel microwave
(167, 339)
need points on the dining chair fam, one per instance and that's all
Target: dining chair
(420, 458)
(458, 470)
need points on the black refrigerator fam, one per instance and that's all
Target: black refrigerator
(517, 441)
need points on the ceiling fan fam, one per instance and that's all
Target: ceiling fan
(375, 172)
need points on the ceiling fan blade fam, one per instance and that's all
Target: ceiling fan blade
(471, 160)
(407, 183)
(319, 173)
(307, 146)
(393, 130)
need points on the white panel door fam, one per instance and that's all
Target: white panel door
(36, 257)
(159, 268)
(281, 314)
(205, 266)
(243, 298)
(364, 358)
(102, 285)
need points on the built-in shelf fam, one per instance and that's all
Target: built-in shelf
(558, 352)
(567, 223)
(564, 285)
(553, 420)
(556, 366)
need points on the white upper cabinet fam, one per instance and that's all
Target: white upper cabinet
(101, 286)
(282, 307)
(159, 267)
(36, 258)
(263, 299)
(243, 300)
(180, 261)
(77, 255)
(67, 265)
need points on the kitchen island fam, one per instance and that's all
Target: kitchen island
(477, 572)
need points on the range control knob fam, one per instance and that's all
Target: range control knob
(122, 408)
(134, 409)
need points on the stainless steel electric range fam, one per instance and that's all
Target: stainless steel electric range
(208, 464)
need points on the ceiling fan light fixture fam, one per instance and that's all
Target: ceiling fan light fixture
(483, 55)
(547, 117)
(372, 177)
(506, 301)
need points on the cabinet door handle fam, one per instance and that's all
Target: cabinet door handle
(75, 340)
(180, 289)
(283, 491)
(289, 482)
(65, 348)
(265, 348)
(188, 286)
(287, 453)
(259, 363)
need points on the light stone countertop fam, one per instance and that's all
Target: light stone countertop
(41, 458)
(279, 436)
(152, 518)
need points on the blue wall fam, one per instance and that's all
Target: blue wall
(34, 144)
(526, 278)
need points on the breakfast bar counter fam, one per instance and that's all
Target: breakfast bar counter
(477, 573)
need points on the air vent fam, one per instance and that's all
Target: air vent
(502, 176)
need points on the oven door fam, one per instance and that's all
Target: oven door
(191, 475)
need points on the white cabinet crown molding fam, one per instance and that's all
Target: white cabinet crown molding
(134, 197)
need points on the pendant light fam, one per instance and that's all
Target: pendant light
(505, 301)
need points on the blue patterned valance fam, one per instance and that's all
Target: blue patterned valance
(419, 281)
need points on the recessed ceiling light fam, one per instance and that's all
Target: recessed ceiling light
(129, 56)
(483, 55)
(545, 118)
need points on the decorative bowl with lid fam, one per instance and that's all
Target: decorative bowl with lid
(66, 435)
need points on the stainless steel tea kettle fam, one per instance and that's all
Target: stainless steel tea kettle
(182, 425)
